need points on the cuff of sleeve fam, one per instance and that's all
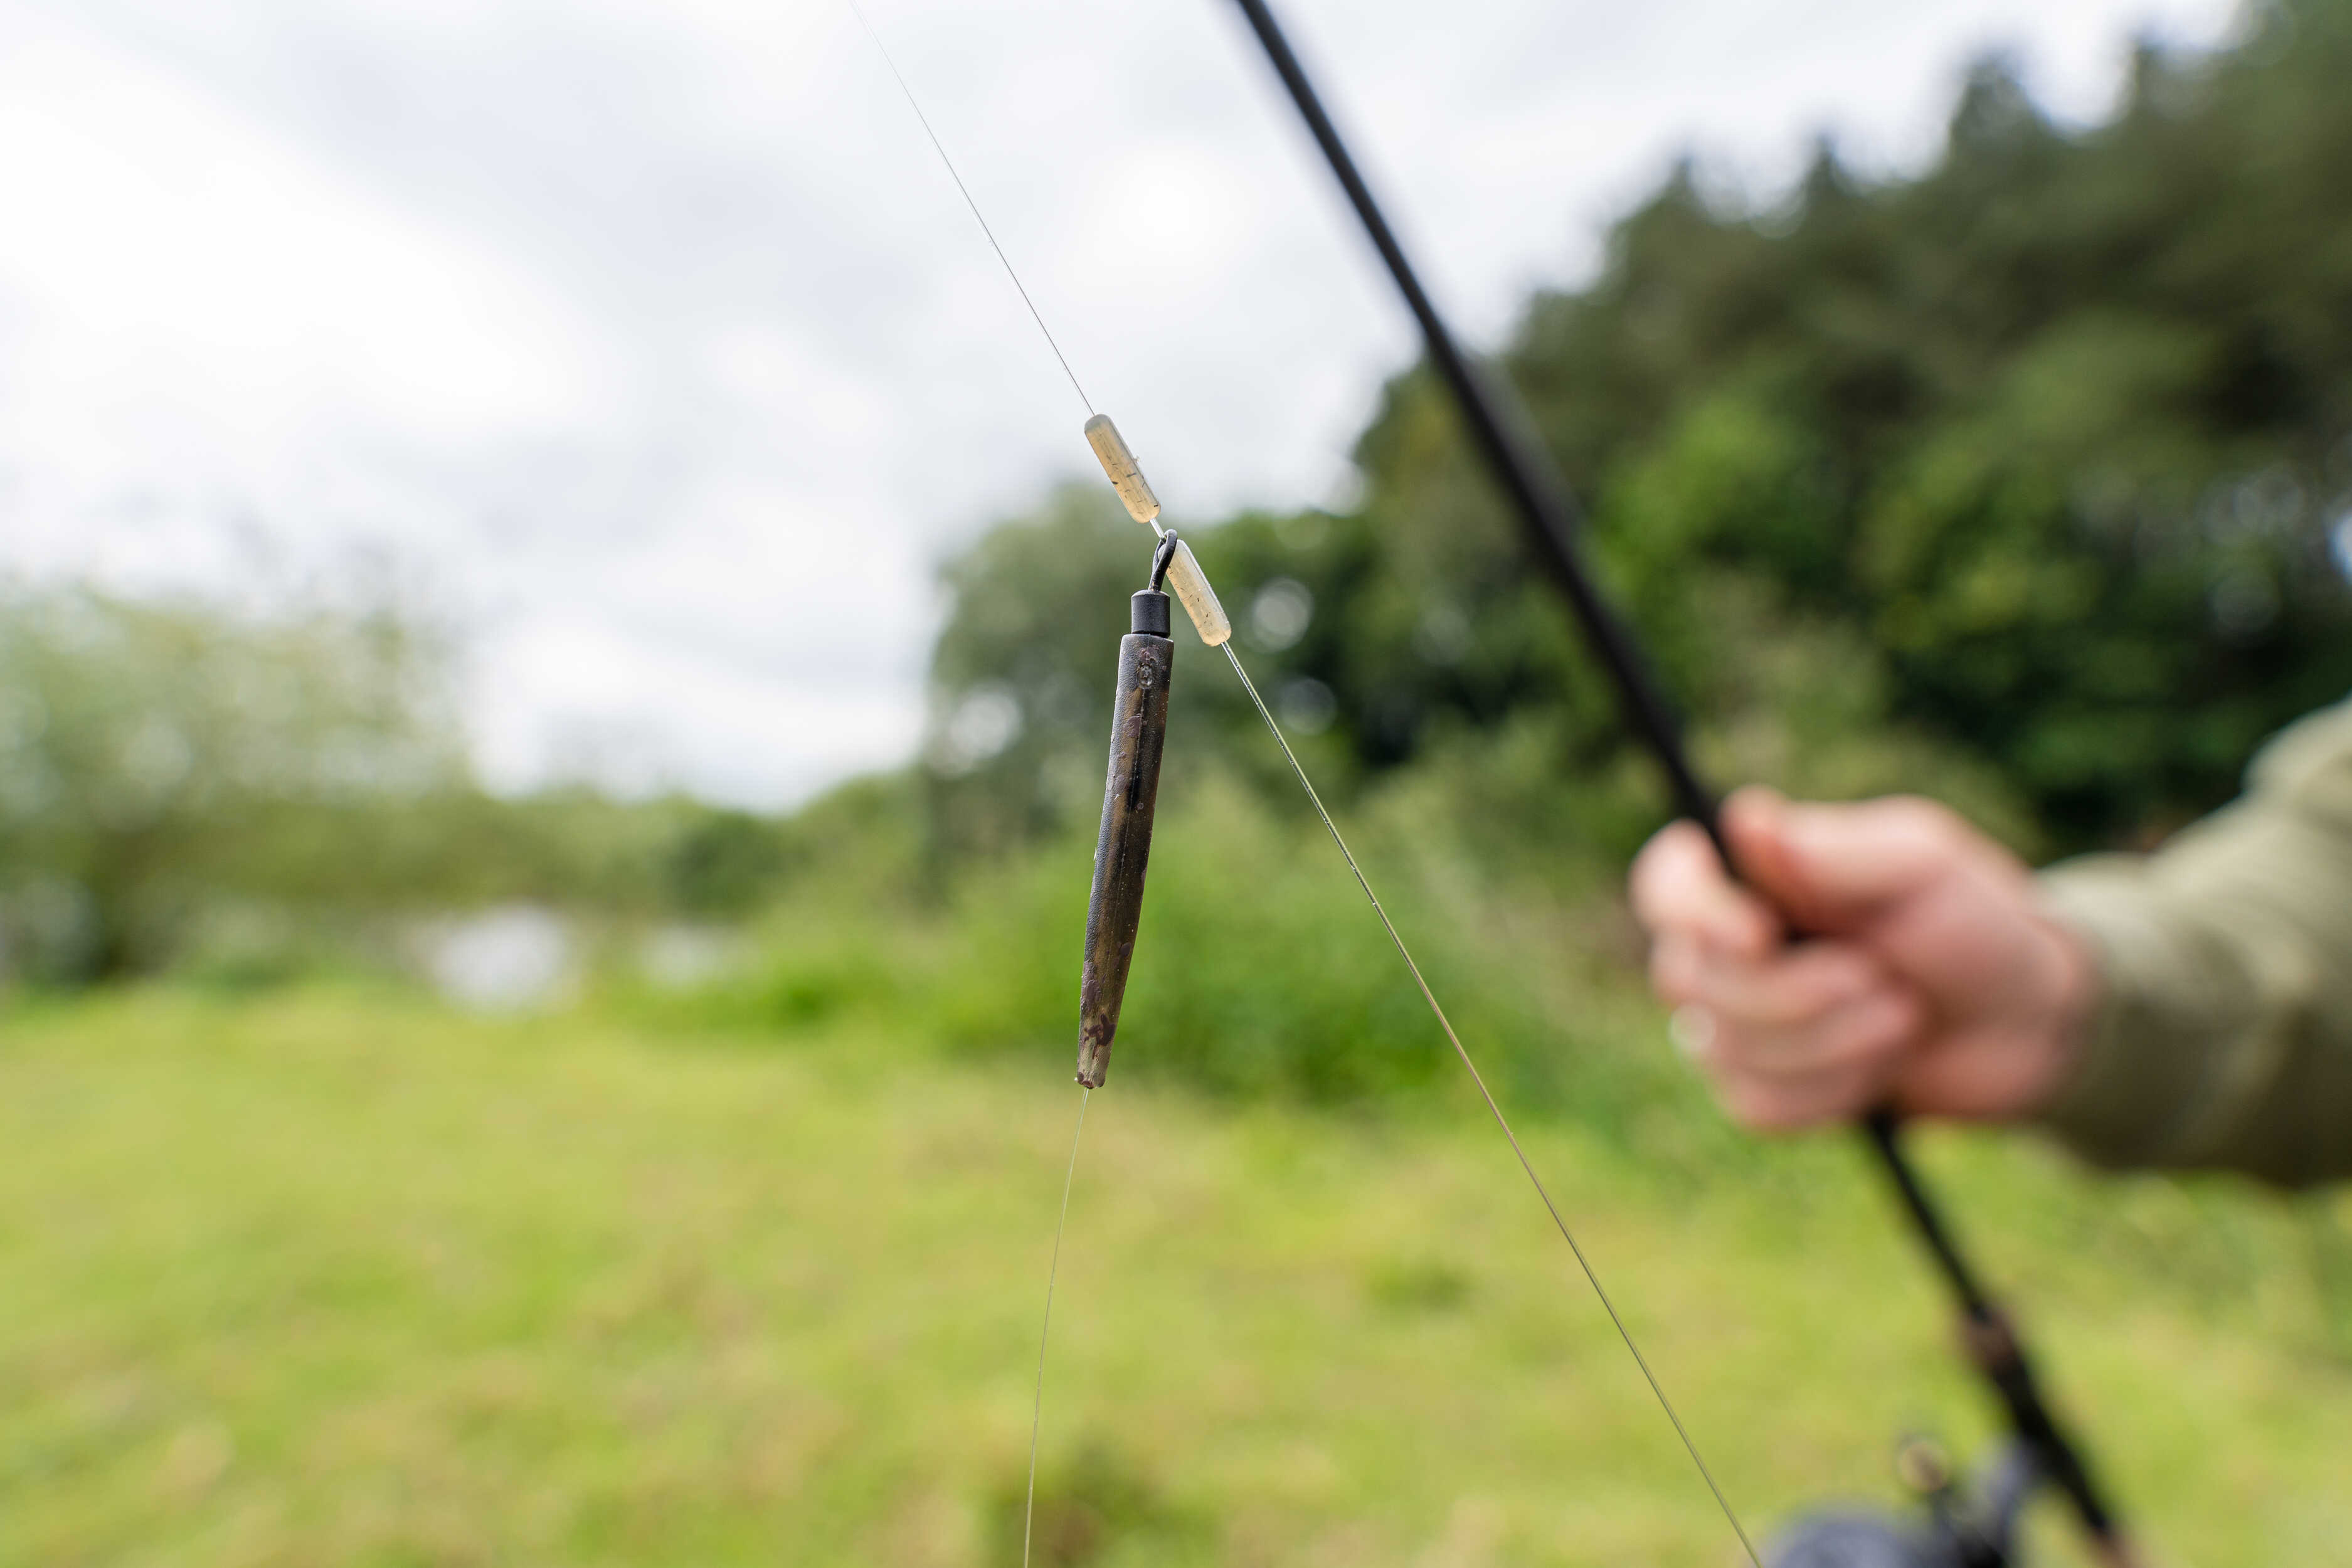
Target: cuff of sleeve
(2138, 1066)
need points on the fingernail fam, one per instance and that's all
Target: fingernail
(1691, 1030)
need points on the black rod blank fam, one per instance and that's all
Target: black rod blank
(1550, 520)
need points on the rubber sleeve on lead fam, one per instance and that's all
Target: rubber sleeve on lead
(1190, 583)
(1200, 601)
(1119, 462)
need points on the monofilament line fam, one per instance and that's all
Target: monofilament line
(925, 119)
(1446, 1024)
(1037, 1407)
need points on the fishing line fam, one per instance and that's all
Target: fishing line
(1193, 586)
(1591, 1275)
(1038, 1409)
(884, 50)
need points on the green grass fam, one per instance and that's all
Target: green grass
(332, 1279)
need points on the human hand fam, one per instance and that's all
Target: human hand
(1929, 978)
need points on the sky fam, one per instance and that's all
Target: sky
(647, 342)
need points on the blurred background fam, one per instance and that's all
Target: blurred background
(556, 631)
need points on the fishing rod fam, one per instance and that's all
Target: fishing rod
(1551, 520)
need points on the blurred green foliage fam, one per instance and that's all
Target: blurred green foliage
(2023, 481)
(2027, 480)
(150, 752)
(1260, 974)
(182, 784)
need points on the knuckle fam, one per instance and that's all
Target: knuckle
(1930, 821)
(1737, 1047)
(1866, 1054)
(1875, 1035)
(1804, 992)
(1804, 995)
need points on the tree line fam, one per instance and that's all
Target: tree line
(2025, 480)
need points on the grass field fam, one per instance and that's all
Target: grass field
(340, 1279)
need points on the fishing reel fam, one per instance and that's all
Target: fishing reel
(1960, 1526)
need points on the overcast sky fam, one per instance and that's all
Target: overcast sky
(648, 338)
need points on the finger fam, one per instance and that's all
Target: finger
(1791, 1105)
(1869, 1034)
(1676, 968)
(1829, 866)
(1678, 885)
(1995, 1073)
(1792, 988)
(1691, 1030)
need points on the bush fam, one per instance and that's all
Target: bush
(1261, 972)
(150, 752)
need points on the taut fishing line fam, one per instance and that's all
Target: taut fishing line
(925, 121)
(1591, 1275)
(1139, 722)
(1053, 1271)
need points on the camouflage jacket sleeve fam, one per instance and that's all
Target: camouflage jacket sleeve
(2225, 1036)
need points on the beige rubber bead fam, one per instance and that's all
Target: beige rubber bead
(1184, 574)
(1126, 478)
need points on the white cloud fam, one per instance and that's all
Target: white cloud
(197, 299)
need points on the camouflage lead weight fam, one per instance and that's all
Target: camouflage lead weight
(1139, 730)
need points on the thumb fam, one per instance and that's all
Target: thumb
(1832, 867)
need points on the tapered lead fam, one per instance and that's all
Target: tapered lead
(1139, 730)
